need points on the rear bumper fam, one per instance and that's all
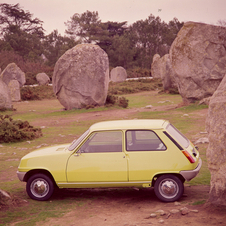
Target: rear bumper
(190, 174)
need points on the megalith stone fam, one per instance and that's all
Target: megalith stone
(81, 77)
(42, 79)
(5, 99)
(155, 66)
(13, 72)
(118, 74)
(216, 151)
(14, 89)
(198, 58)
(162, 68)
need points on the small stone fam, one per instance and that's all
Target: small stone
(161, 221)
(184, 211)
(177, 204)
(153, 215)
(149, 106)
(194, 211)
(161, 212)
(174, 211)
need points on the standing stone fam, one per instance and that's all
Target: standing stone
(118, 74)
(155, 67)
(216, 151)
(5, 100)
(42, 79)
(13, 72)
(81, 77)
(198, 57)
(14, 89)
(162, 68)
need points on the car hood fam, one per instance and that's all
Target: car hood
(56, 149)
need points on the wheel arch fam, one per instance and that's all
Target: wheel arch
(36, 171)
(160, 174)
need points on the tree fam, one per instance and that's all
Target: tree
(122, 52)
(20, 32)
(55, 46)
(85, 27)
(221, 23)
(13, 17)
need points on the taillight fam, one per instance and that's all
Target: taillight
(188, 156)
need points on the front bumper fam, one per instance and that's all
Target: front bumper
(190, 174)
(21, 175)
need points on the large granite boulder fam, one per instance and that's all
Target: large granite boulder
(162, 68)
(118, 74)
(81, 77)
(216, 151)
(42, 79)
(5, 99)
(198, 57)
(13, 72)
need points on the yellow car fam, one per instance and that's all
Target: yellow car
(124, 153)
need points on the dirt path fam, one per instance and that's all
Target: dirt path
(130, 207)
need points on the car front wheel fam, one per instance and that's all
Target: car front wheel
(168, 188)
(40, 187)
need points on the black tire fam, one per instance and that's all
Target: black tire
(168, 188)
(40, 187)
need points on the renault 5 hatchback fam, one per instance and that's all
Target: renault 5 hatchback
(124, 153)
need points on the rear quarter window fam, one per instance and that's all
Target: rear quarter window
(143, 140)
(176, 134)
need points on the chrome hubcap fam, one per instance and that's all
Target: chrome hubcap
(39, 187)
(168, 188)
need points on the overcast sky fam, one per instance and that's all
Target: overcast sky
(55, 12)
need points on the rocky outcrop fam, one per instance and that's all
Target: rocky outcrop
(198, 58)
(216, 151)
(81, 77)
(5, 99)
(13, 72)
(162, 68)
(42, 79)
(118, 74)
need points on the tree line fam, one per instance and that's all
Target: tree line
(22, 39)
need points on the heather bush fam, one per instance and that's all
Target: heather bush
(17, 130)
(114, 100)
(37, 92)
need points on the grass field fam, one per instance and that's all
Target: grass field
(59, 126)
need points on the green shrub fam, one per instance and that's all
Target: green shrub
(37, 92)
(16, 130)
(123, 102)
(114, 100)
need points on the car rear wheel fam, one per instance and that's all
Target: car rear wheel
(168, 188)
(40, 187)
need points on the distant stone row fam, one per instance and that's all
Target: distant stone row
(12, 78)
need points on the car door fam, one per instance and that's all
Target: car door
(99, 159)
(145, 153)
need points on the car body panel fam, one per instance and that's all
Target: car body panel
(97, 167)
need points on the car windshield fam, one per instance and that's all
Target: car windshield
(76, 142)
(178, 135)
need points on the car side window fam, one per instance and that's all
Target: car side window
(143, 140)
(106, 141)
